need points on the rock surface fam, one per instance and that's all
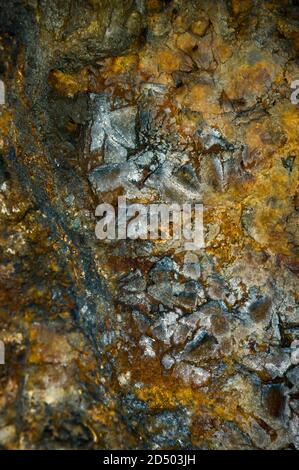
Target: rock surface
(129, 344)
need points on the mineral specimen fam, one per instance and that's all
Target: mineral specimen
(137, 344)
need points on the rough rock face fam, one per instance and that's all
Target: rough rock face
(135, 344)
